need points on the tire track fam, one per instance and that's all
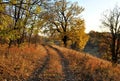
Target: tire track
(69, 76)
(54, 71)
(38, 71)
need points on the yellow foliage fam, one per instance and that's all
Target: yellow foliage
(83, 38)
(77, 34)
(2, 8)
(14, 1)
(38, 9)
(20, 23)
(5, 21)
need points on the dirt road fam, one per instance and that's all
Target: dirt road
(54, 68)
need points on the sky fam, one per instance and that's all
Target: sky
(94, 10)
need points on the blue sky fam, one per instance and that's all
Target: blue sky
(94, 10)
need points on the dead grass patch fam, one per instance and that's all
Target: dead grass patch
(89, 68)
(21, 62)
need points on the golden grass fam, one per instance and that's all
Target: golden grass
(87, 67)
(54, 68)
(22, 62)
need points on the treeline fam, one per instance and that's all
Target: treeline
(110, 42)
(103, 41)
(23, 20)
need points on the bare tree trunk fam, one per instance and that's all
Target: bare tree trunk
(65, 40)
(29, 40)
(10, 43)
(113, 50)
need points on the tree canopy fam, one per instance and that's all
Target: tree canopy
(63, 18)
(28, 18)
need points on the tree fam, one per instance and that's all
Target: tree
(111, 21)
(104, 42)
(60, 16)
(5, 23)
(24, 15)
(77, 34)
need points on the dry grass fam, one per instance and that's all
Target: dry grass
(22, 63)
(89, 68)
(53, 72)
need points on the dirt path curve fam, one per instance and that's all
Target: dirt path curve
(69, 76)
(38, 71)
